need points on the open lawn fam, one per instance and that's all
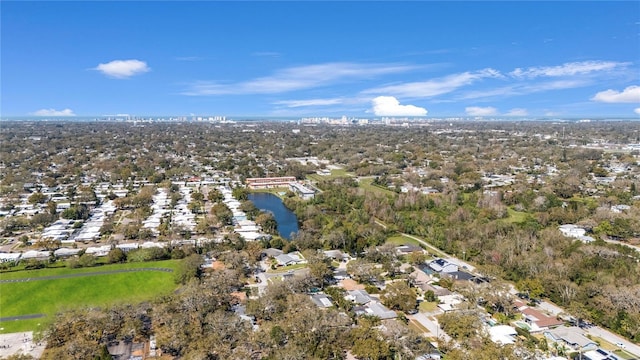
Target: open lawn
(284, 269)
(426, 306)
(50, 296)
(279, 191)
(367, 185)
(21, 274)
(516, 216)
(402, 240)
(336, 173)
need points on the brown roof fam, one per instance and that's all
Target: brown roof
(241, 296)
(541, 319)
(350, 284)
(218, 265)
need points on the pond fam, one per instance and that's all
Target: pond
(286, 219)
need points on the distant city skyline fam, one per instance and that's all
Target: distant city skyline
(306, 59)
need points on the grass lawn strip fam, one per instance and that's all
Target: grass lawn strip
(367, 185)
(10, 275)
(284, 269)
(402, 240)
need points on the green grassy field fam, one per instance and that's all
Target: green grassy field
(516, 216)
(285, 269)
(426, 306)
(50, 296)
(402, 240)
(367, 185)
(21, 274)
(334, 174)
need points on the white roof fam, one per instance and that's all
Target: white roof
(150, 244)
(33, 254)
(128, 246)
(66, 252)
(98, 249)
(251, 235)
(9, 256)
(502, 334)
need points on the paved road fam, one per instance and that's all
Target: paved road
(637, 248)
(613, 338)
(21, 317)
(65, 276)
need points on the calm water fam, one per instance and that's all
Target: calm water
(287, 220)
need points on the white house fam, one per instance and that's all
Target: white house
(574, 231)
(9, 257)
(502, 334)
(571, 230)
(442, 265)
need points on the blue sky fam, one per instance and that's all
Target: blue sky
(534, 59)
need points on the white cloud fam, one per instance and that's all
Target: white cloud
(629, 95)
(296, 78)
(517, 112)
(637, 111)
(54, 112)
(524, 89)
(390, 106)
(122, 69)
(435, 87)
(309, 102)
(481, 111)
(568, 69)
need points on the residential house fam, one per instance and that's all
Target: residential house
(359, 297)
(443, 266)
(600, 354)
(374, 308)
(408, 249)
(9, 257)
(538, 321)
(322, 300)
(336, 255)
(272, 252)
(572, 336)
(575, 231)
(449, 302)
(502, 334)
(288, 259)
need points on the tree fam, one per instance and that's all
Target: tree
(267, 222)
(188, 268)
(416, 258)
(215, 195)
(460, 326)
(319, 267)
(86, 260)
(364, 271)
(368, 342)
(399, 296)
(197, 196)
(116, 255)
(37, 198)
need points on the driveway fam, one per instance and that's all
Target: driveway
(431, 325)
